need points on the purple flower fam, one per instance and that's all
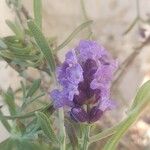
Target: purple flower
(85, 78)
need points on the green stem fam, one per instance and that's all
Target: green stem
(103, 134)
(86, 137)
(73, 34)
(62, 129)
(86, 18)
(31, 114)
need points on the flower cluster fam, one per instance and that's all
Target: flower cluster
(85, 78)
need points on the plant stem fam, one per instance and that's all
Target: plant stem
(49, 107)
(86, 137)
(128, 62)
(62, 129)
(103, 134)
(86, 18)
(73, 34)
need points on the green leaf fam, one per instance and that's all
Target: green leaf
(2, 44)
(13, 40)
(123, 127)
(46, 126)
(10, 101)
(22, 144)
(5, 122)
(21, 128)
(17, 55)
(3, 144)
(20, 50)
(16, 28)
(73, 34)
(103, 134)
(27, 145)
(38, 12)
(43, 44)
(23, 87)
(31, 114)
(32, 128)
(37, 97)
(7, 144)
(6, 54)
(140, 95)
(28, 101)
(35, 86)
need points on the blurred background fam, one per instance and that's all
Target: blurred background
(123, 27)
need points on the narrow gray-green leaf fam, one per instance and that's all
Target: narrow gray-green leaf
(141, 94)
(28, 145)
(10, 101)
(36, 98)
(16, 55)
(29, 101)
(21, 50)
(34, 87)
(31, 114)
(5, 122)
(2, 44)
(131, 118)
(16, 29)
(73, 34)
(43, 44)
(3, 143)
(7, 144)
(46, 126)
(38, 12)
(103, 134)
(23, 87)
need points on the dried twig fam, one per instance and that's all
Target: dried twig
(128, 61)
(136, 20)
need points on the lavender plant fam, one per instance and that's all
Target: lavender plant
(64, 117)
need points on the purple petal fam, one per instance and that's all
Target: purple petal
(79, 114)
(74, 74)
(71, 57)
(107, 105)
(80, 99)
(95, 114)
(62, 98)
(89, 69)
(90, 50)
(57, 98)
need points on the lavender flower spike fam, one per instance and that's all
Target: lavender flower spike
(85, 78)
